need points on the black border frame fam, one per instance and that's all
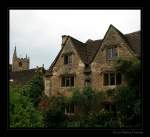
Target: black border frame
(5, 95)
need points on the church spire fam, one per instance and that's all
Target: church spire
(15, 53)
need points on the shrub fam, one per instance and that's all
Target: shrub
(54, 117)
(22, 112)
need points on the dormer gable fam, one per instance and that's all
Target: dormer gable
(114, 38)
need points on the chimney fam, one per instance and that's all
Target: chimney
(64, 39)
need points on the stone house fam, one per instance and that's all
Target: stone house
(80, 64)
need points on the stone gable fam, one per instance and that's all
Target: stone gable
(59, 69)
(90, 61)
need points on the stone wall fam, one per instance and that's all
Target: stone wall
(100, 64)
(76, 68)
(97, 68)
(23, 61)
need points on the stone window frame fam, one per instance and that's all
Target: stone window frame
(68, 58)
(112, 78)
(112, 52)
(67, 80)
(87, 83)
(70, 109)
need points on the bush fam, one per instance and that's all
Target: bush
(34, 89)
(54, 117)
(128, 98)
(22, 112)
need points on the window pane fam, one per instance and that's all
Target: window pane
(112, 79)
(67, 81)
(111, 53)
(114, 52)
(70, 59)
(87, 82)
(65, 59)
(105, 79)
(108, 53)
(118, 79)
(72, 81)
(62, 81)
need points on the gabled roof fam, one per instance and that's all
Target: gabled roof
(80, 48)
(134, 40)
(92, 49)
(87, 51)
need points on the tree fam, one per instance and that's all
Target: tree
(22, 112)
(128, 98)
(54, 116)
(34, 89)
(130, 70)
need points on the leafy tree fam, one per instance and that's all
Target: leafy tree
(54, 116)
(130, 70)
(128, 98)
(34, 89)
(22, 112)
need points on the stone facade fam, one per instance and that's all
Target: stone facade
(89, 61)
(53, 83)
(100, 64)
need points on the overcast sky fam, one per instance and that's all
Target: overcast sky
(38, 32)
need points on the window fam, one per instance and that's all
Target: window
(112, 78)
(111, 53)
(67, 59)
(20, 64)
(87, 82)
(69, 109)
(67, 81)
(106, 78)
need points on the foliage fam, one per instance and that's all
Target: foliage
(22, 112)
(54, 117)
(91, 113)
(34, 89)
(128, 106)
(128, 97)
(76, 96)
(130, 70)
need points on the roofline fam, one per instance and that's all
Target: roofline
(55, 60)
(119, 32)
(121, 35)
(101, 42)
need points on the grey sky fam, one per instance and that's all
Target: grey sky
(38, 32)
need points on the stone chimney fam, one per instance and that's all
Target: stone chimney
(64, 39)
